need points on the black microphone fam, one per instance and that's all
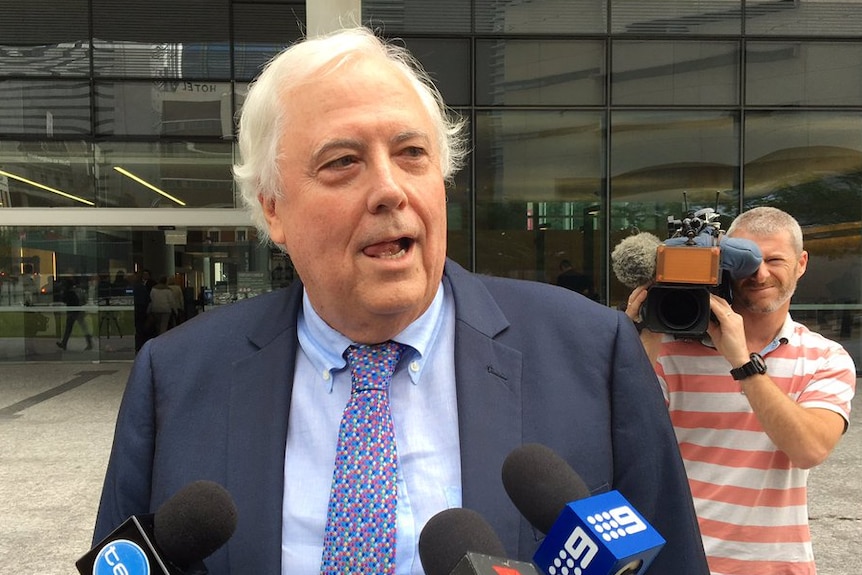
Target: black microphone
(184, 530)
(587, 535)
(459, 541)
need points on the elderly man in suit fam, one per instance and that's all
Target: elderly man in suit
(346, 148)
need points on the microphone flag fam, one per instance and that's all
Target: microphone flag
(481, 564)
(599, 535)
(129, 549)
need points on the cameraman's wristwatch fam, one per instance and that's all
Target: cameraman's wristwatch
(755, 366)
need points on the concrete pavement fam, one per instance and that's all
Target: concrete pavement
(56, 422)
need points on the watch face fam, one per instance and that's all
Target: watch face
(758, 363)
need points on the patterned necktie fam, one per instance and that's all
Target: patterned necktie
(360, 524)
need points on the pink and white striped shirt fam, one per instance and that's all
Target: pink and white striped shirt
(751, 503)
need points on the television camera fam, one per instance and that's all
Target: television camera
(688, 268)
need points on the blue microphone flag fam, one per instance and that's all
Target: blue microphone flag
(599, 535)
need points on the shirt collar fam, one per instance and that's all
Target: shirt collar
(325, 346)
(783, 337)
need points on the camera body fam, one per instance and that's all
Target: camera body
(688, 269)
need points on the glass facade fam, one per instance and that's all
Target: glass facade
(589, 119)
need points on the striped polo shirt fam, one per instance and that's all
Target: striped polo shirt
(751, 502)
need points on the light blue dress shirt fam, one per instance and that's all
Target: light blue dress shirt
(424, 411)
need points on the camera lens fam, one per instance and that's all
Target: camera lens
(680, 309)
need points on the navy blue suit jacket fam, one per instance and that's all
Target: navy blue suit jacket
(534, 363)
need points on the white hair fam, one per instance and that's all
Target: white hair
(262, 119)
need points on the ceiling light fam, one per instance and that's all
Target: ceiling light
(46, 188)
(143, 182)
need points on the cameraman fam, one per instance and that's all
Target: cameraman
(755, 404)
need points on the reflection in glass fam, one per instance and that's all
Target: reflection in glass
(447, 61)
(45, 108)
(400, 16)
(676, 16)
(195, 173)
(665, 163)
(65, 59)
(803, 74)
(809, 164)
(539, 187)
(46, 174)
(79, 278)
(164, 107)
(540, 72)
(675, 72)
(802, 17)
(548, 17)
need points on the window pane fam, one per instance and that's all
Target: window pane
(682, 72)
(809, 164)
(806, 163)
(213, 266)
(676, 16)
(44, 24)
(666, 163)
(549, 17)
(68, 59)
(448, 63)
(810, 17)
(168, 108)
(400, 16)
(260, 31)
(161, 39)
(49, 108)
(539, 182)
(190, 174)
(803, 73)
(459, 218)
(540, 72)
(46, 174)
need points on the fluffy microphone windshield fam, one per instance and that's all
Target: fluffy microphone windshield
(196, 521)
(541, 483)
(450, 535)
(633, 259)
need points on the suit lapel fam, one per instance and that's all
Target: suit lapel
(259, 407)
(488, 380)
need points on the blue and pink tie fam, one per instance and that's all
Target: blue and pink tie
(360, 525)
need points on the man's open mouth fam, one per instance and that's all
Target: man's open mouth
(389, 250)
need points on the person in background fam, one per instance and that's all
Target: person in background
(120, 283)
(346, 148)
(755, 405)
(74, 295)
(162, 305)
(141, 298)
(178, 315)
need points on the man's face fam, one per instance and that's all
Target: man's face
(773, 285)
(363, 207)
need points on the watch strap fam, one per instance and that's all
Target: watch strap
(756, 365)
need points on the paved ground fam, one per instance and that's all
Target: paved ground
(56, 423)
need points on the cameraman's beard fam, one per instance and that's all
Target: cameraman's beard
(785, 292)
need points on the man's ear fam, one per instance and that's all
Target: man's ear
(802, 264)
(273, 220)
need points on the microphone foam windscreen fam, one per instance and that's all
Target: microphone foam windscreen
(540, 483)
(196, 521)
(450, 535)
(633, 259)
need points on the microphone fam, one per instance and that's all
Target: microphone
(598, 535)
(185, 529)
(633, 259)
(459, 541)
